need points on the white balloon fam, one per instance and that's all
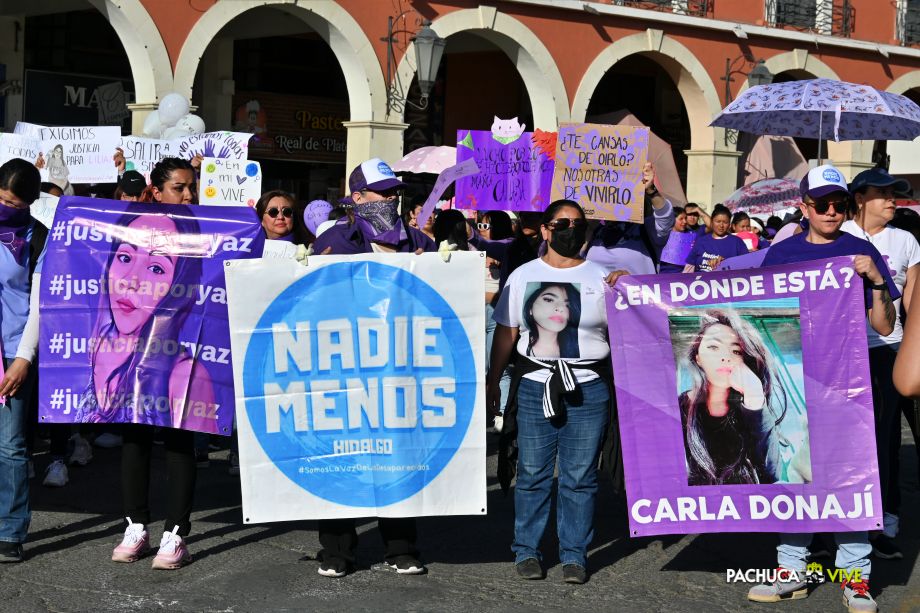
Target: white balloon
(152, 126)
(172, 108)
(173, 132)
(191, 124)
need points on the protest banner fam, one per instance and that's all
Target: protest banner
(600, 167)
(230, 182)
(360, 386)
(142, 154)
(514, 176)
(447, 176)
(134, 313)
(734, 392)
(79, 154)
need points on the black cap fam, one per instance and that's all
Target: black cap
(132, 183)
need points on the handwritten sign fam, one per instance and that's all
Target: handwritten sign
(447, 176)
(228, 145)
(142, 154)
(19, 146)
(600, 167)
(230, 182)
(75, 154)
(44, 208)
(514, 176)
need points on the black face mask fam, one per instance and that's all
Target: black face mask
(568, 242)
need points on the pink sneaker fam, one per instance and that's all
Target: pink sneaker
(134, 545)
(173, 553)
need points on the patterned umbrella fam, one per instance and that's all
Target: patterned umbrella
(427, 159)
(765, 197)
(823, 109)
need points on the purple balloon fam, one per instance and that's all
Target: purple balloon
(315, 213)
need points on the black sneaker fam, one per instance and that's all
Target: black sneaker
(10, 552)
(883, 547)
(407, 565)
(574, 573)
(333, 567)
(530, 569)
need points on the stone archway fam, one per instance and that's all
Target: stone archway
(545, 87)
(709, 160)
(145, 50)
(369, 134)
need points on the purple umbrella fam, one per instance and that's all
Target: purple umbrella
(822, 109)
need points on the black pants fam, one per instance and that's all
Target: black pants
(339, 538)
(181, 473)
(887, 404)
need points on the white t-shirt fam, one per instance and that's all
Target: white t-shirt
(559, 312)
(901, 251)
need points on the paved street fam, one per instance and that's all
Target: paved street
(271, 567)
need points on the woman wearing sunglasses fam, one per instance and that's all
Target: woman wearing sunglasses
(276, 210)
(551, 315)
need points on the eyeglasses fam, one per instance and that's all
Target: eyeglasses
(483, 226)
(823, 206)
(287, 211)
(563, 223)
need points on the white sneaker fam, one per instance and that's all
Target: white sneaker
(82, 451)
(107, 440)
(56, 474)
(173, 553)
(497, 424)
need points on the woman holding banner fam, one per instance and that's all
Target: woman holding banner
(19, 187)
(552, 312)
(141, 373)
(732, 411)
(172, 181)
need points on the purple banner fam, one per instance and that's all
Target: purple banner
(735, 391)
(134, 313)
(512, 177)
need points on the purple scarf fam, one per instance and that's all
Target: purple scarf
(12, 223)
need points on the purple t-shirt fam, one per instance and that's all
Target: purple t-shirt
(797, 249)
(707, 247)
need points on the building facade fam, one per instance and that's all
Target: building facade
(322, 88)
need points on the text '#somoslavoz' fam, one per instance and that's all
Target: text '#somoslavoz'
(335, 395)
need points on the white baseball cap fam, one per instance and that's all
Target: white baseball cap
(822, 181)
(375, 175)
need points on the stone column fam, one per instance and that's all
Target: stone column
(711, 175)
(370, 139)
(851, 157)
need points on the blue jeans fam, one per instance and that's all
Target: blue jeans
(853, 551)
(15, 513)
(575, 441)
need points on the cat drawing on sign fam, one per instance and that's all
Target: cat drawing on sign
(507, 130)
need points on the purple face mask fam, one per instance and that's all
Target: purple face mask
(12, 222)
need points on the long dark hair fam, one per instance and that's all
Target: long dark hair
(146, 371)
(568, 337)
(756, 357)
(501, 225)
(160, 174)
(22, 178)
(451, 226)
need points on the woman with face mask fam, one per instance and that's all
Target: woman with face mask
(552, 316)
(19, 188)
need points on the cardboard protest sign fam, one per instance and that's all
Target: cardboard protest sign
(600, 168)
(513, 176)
(230, 182)
(134, 313)
(745, 383)
(142, 154)
(360, 386)
(678, 247)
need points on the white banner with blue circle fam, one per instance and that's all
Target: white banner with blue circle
(360, 385)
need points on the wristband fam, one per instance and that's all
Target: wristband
(880, 286)
(652, 193)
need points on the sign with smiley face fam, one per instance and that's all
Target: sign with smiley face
(230, 182)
